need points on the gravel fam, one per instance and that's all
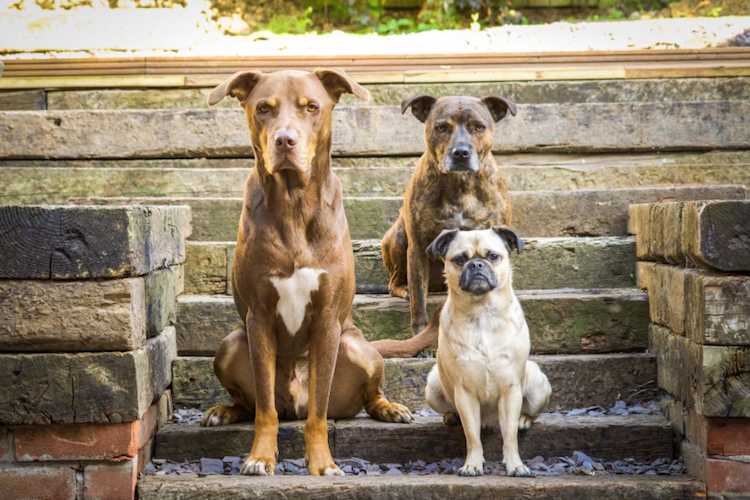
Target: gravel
(579, 464)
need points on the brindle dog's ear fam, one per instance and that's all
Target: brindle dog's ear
(238, 85)
(439, 247)
(337, 82)
(420, 106)
(499, 107)
(511, 239)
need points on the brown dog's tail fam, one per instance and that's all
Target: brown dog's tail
(409, 348)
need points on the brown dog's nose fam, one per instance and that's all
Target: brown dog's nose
(286, 140)
(461, 152)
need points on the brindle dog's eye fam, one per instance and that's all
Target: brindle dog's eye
(493, 257)
(460, 260)
(479, 128)
(312, 108)
(440, 128)
(264, 108)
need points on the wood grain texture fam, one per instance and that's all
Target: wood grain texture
(55, 242)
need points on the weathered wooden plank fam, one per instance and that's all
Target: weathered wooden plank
(181, 442)
(578, 381)
(714, 380)
(44, 316)
(24, 100)
(66, 388)
(545, 263)
(552, 92)
(567, 321)
(609, 438)
(222, 132)
(421, 488)
(535, 213)
(713, 234)
(428, 439)
(707, 307)
(90, 242)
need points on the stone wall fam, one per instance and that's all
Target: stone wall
(695, 265)
(87, 303)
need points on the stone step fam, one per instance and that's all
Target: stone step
(546, 263)
(421, 488)
(578, 381)
(642, 437)
(553, 92)
(198, 133)
(54, 181)
(564, 321)
(585, 212)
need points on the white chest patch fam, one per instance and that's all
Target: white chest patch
(294, 295)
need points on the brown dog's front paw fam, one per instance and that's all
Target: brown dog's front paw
(392, 412)
(321, 464)
(224, 415)
(451, 418)
(257, 466)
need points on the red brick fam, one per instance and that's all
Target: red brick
(719, 436)
(149, 425)
(727, 476)
(77, 442)
(108, 481)
(5, 445)
(145, 454)
(53, 482)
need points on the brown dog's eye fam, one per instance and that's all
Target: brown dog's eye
(440, 128)
(493, 257)
(479, 128)
(264, 108)
(312, 108)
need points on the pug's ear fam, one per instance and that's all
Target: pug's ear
(499, 107)
(510, 238)
(238, 85)
(439, 247)
(420, 106)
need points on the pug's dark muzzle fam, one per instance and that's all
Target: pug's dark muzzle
(477, 277)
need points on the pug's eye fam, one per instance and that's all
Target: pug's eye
(441, 128)
(312, 108)
(479, 128)
(493, 257)
(460, 260)
(264, 108)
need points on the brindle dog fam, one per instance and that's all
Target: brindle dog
(456, 185)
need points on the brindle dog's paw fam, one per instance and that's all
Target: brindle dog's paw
(451, 418)
(394, 413)
(222, 415)
(401, 291)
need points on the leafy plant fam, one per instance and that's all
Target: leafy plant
(290, 24)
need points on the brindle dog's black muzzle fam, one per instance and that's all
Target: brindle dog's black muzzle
(477, 277)
(462, 158)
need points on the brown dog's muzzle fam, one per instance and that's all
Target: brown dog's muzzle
(287, 152)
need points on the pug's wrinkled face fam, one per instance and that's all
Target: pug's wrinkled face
(476, 262)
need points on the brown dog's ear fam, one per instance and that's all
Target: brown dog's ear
(439, 247)
(499, 107)
(511, 239)
(238, 85)
(337, 82)
(420, 106)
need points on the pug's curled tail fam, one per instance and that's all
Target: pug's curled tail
(411, 347)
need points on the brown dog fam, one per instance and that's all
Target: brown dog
(457, 185)
(298, 353)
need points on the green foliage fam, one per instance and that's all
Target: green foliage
(613, 15)
(290, 24)
(715, 12)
